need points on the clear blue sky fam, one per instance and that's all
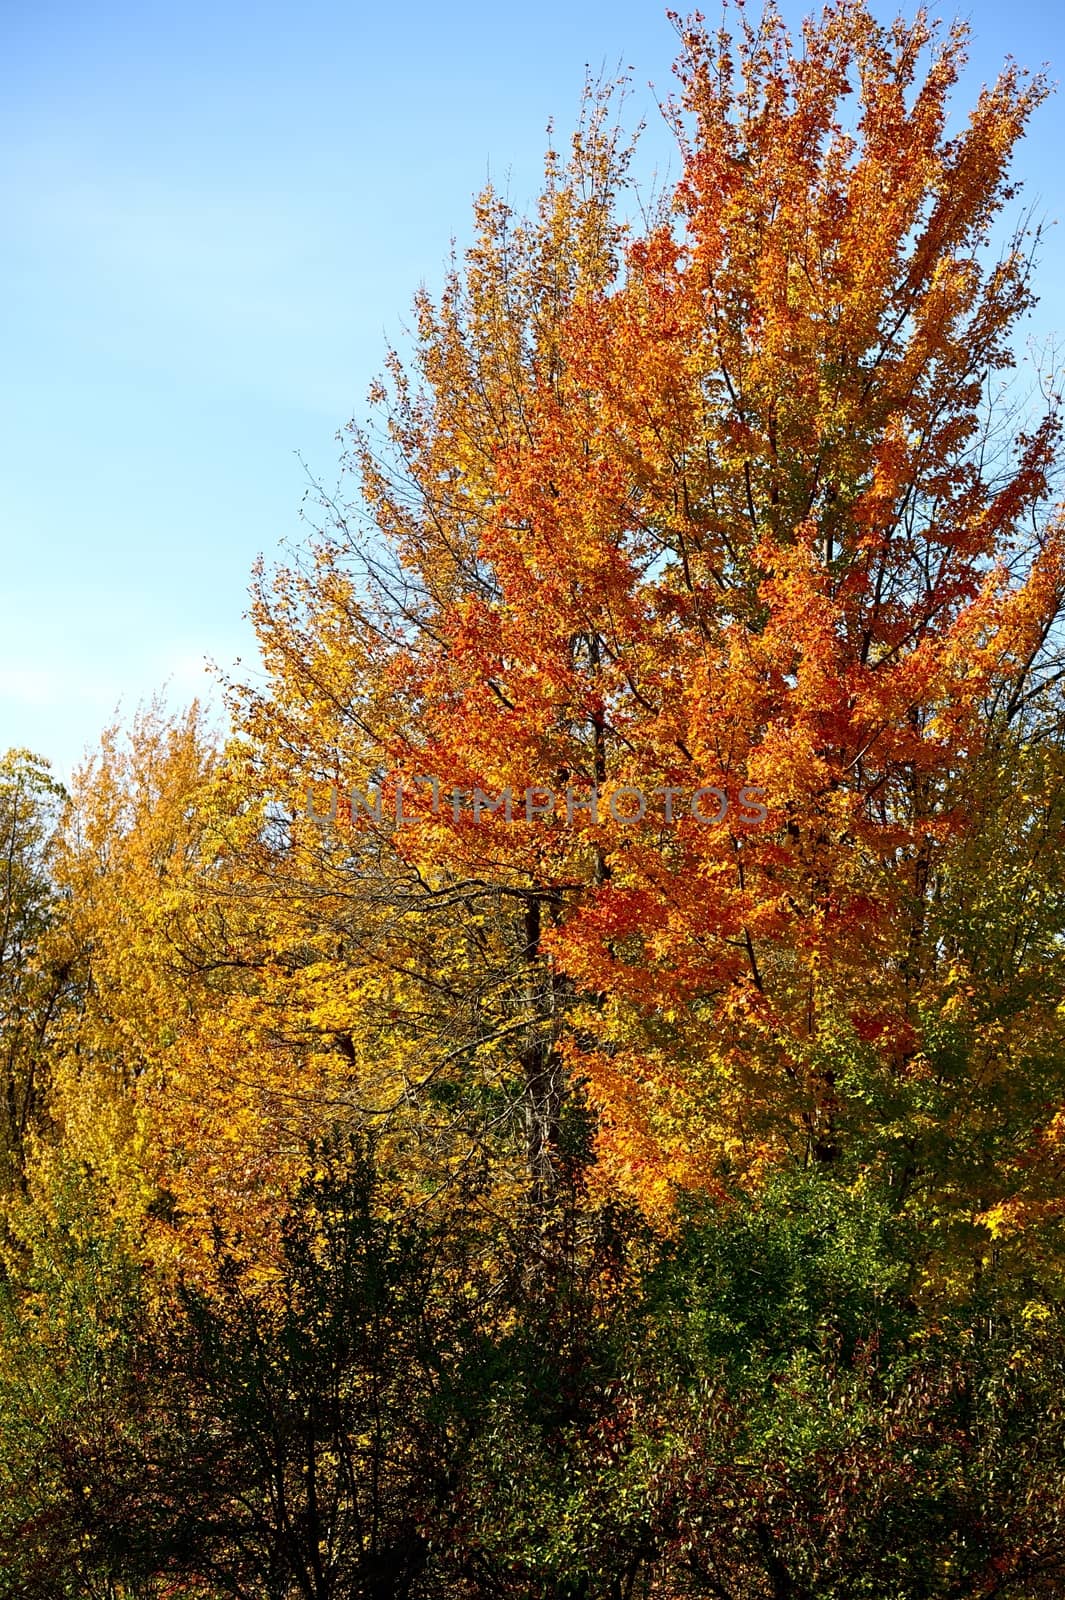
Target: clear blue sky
(212, 218)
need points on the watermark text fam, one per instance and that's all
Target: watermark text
(627, 805)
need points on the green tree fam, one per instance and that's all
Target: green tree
(35, 977)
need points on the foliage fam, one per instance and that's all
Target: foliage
(35, 972)
(605, 1202)
(727, 501)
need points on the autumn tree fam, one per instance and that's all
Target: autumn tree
(170, 964)
(727, 502)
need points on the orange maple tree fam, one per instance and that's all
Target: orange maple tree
(725, 503)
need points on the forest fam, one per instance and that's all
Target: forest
(414, 1190)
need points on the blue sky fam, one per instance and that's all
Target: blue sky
(213, 217)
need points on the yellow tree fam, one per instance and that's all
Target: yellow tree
(162, 1084)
